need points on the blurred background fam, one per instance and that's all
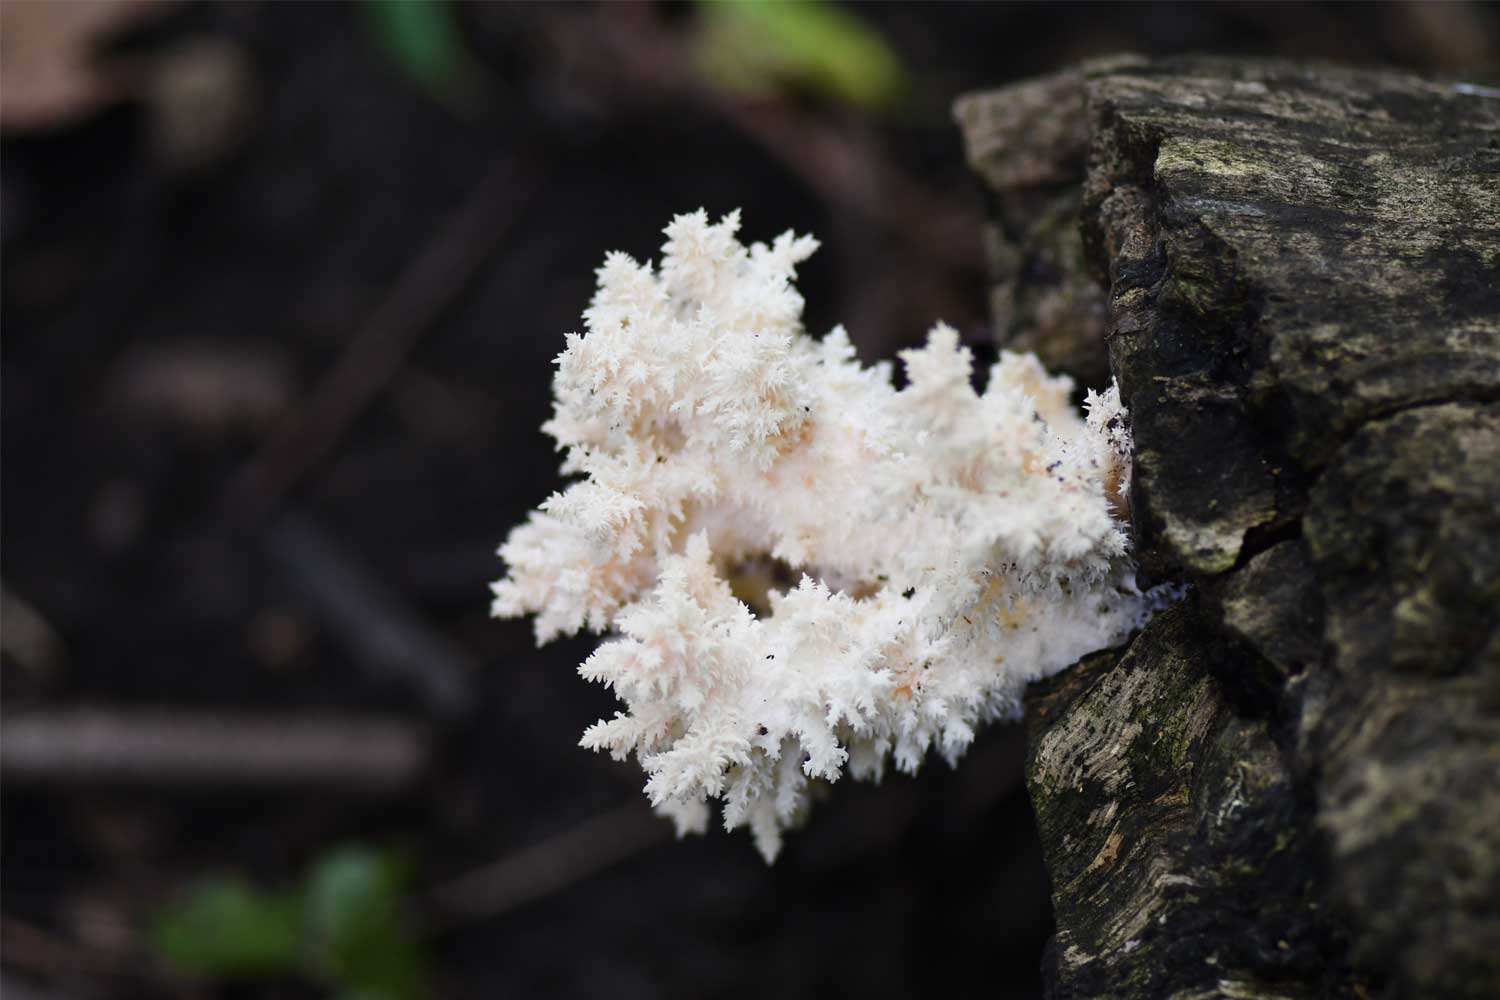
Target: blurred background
(281, 288)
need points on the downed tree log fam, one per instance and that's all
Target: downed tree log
(1289, 784)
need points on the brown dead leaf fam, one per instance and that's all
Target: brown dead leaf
(49, 73)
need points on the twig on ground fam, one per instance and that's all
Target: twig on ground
(381, 632)
(375, 627)
(430, 284)
(845, 168)
(843, 165)
(211, 752)
(546, 868)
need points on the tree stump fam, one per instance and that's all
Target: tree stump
(1289, 784)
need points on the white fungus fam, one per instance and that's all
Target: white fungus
(939, 548)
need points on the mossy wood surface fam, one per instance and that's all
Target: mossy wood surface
(1288, 785)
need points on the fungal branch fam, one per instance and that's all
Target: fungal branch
(946, 546)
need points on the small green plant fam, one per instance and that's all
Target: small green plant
(341, 925)
(752, 46)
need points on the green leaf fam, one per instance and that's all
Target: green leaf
(424, 39)
(344, 927)
(357, 930)
(225, 928)
(751, 46)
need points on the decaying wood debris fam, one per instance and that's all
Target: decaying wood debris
(1289, 785)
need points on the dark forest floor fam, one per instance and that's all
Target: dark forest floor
(167, 319)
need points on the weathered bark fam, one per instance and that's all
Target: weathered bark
(1028, 143)
(1288, 785)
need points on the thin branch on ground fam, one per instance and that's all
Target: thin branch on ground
(545, 869)
(375, 627)
(430, 284)
(211, 751)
